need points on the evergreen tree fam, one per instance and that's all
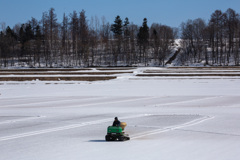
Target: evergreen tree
(126, 29)
(22, 38)
(126, 41)
(116, 28)
(143, 36)
(143, 33)
(29, 33)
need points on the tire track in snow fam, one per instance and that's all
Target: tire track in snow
(111, 102)
(51, 101)
(170, 128)
(73, 126)
(186, 101)
(90, 104)
(46, 98)
(21, 119)
(209, 132)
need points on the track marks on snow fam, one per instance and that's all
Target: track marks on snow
(170, 128)
(136, 136)
(44, 100)
(21, 119)
(208, 132)
(112, 102)
(73, 126)
(186, 101)
(107, 101)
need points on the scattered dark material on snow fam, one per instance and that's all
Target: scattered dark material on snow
(57, 78)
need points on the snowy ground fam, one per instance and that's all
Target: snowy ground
(168, 118)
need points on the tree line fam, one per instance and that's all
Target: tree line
(81, 42)
(214, 43)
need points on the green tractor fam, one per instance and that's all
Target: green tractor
(116, 133)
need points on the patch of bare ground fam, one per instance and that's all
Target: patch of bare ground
(98, 78)
(189, 74)
(193, 72)
(190, 71)
(209, 68)
(45, 69)
(181, 78)
(62, 73)
(108, 69)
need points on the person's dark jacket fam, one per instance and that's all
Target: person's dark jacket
(116, 123)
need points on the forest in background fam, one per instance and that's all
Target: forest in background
(81, 42)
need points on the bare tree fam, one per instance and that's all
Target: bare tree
(45, 32)
(133, 36)
(78, 42)
(231, 18)
(2, 26)
(53, 35)
(199, 27)
(83, 38)
(64, 44)
(216, 23)
(193, 35)
(74, 28)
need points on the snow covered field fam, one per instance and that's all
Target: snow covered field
(169, 118)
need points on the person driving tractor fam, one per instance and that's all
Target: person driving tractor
(116, 131)
(116, 122)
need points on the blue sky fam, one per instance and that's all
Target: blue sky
(169, 12)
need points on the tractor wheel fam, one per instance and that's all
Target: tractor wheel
(121, 138)
(108, 138)
(127, 138)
